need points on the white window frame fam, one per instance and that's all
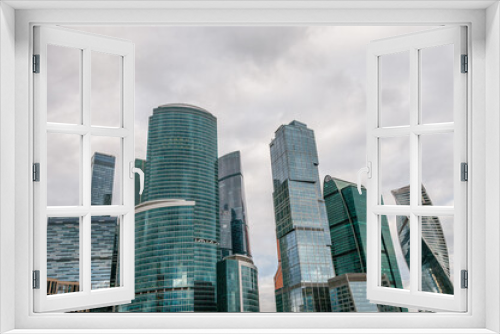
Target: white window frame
(413, 43)
(483, 20)
(85, 298)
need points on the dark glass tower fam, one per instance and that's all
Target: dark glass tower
(103, 173)
(346, 210)
(176, 247)
(435, 258)
(301, 223)
(233, 237)
(237, 285)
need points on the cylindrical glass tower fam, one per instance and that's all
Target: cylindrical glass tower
(176, 247)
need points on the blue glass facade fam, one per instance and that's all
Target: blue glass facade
(63, 250)
(233, 234)
(103, 173)
(237, 285)
(176, 247)
(301, 223)
(435, 257)
(346, 210)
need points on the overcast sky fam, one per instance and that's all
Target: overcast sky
(254, 79)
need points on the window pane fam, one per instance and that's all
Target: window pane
(395, 243)
(437, 250)
(436, 85)
(106, 170)
(394, 90)
(63, 85)
(63, 255)
(105, 256)
(63, 169)
(437, 169)
(394, 168)
(106, 89)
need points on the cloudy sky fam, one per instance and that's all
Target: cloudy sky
(254, 79)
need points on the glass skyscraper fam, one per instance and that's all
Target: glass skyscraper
(435, 257)
(348, 294)
(103, 173)
(176, 247)
(233, 237)
(301, 222)
(346, 210)
(237, 285)
(63, 251)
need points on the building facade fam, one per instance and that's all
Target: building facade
(301, 221)
(237, 285)
(103, 176)
(233, 232)
(346, 210)
(348, 294)
(63, 253)
(435, 257)
(176, 247)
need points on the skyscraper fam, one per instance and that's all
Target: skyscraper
(346, 210)
(103, 173)
(63, 251)
(233, 237)
(176, 247)
(348, 294)
(63, 235)
(435, 257)
(301, 223)
(237, 285)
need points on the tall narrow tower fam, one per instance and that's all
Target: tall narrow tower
(176, 247)
(103, 173)
(301, 223)
(234, 237)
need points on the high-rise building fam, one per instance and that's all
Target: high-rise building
(176, 247)
(237, 285)
(348, 294)
(63, 252)
(141, 164)
(233, 235)
(103, 173)
(346, 210)
(435, 257)
(301, 223)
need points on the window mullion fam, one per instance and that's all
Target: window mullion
(85, 241)
(414, 172)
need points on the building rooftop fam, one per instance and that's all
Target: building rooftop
(183, 105)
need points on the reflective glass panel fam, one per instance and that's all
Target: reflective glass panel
(394, 170)
(437, 254)
(437, 169)
(394, 89)
(63, 169)
(436, 84)
(106, 170)
(63, 255)
(63, 85)
(394, 245)
(106, 89)
(105, 234)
